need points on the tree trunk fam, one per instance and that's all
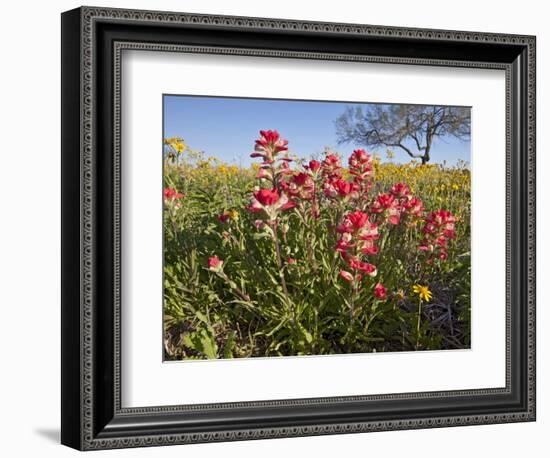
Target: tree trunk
(426, 156)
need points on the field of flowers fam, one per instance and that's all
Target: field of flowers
(344, 254)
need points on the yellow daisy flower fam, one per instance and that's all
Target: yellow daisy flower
(423, 292)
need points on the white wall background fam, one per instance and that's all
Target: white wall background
(30, 229)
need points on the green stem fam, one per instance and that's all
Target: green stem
(281, 267)
(171, 217)
(353, 295)
(419, 318)
(245, 297)
(309, 250)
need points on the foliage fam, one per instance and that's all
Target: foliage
(293, 258)
(408, 127)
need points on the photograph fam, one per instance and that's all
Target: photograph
(313, 227)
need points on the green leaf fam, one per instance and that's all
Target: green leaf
(307, 334)
(203, 342)
(201, 316)
(229, 345)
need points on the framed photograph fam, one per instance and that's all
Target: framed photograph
(276, 228)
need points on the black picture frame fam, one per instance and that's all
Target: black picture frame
(92, 40)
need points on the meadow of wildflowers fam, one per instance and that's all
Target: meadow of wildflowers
(344, 254)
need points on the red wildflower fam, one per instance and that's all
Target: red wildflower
(400, 190)
(346, 275)
(270, 201)
(270, 139)
(393, 217)
(360, 165)
(264, 173)
(357, 225)
(255, 206)
(268, 147)
(224, 217)
(389, 206)
(329, 189)
(356, 264)
(215, 263)
(439, 227)
(369, 269)
(413, 206)
(287, 204)
(358, 219)
(284, 168)
(368, 232)
(385, 201)
(345, 188)
(368, 247)
(344, 243)
(352, 222)
(338, 187)
(380, 291)
(301, 185)
(441, 220)
(314, 166)
(331, 167)
(358, 157)
(332, 161)
(267, 197)
(259, 224)
(301, 179)
(171, 194)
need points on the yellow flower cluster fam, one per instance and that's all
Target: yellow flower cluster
(232, 214)
(226, 170)
(176, 143)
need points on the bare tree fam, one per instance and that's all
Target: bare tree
(411, 128)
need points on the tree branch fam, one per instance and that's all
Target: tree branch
(418, 145)
(407, 150)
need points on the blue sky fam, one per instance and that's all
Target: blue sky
(227, 127)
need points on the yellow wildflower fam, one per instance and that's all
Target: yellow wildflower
(423, 292)
(176, 143)
(400, 294)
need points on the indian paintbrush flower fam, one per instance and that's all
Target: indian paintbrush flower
(170, 194)
(215, 264)
(380, 291)
(346, 275)
(439, 228)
